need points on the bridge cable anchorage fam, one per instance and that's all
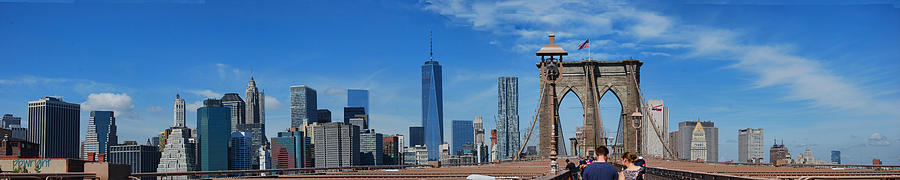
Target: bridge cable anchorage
(531, 130)
(652, 121)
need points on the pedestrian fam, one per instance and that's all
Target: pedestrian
(571, 166)
(599, 169)
(631, 171)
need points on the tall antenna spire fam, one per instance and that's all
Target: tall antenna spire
(430, 46)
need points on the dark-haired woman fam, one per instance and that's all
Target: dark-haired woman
(631, 171)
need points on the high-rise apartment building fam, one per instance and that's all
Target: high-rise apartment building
(750, 145)
(392, 150)
(432, 107)
(141, 158)
(685, 139)
(324, 115)
(214, 133)
(655, 139)
(237, 108)
(508, 117)
(303, 106)
(10, 121)
(179, 111)
(177, 154)
(337, 145)
(463, 132)
(416, 136)
(358, 98)
(371, 148)
(55, 126)
(101, 133)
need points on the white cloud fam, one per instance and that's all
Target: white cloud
(272, 103)
(119, 103)
(206, 93)
(192, 107)
(876, 139)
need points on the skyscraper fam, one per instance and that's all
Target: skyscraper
(178, 154)
(141, 158)
(300, 146)
(371, 148)
(416, 136)
(54, 125)
(478, 126)
(10, 121)
(101, 133)
(236, 106)
(352, 112)
(655, 139)
(284, 151)
(358, 98)
(255, 109)
(778, 152)
(179, 111)
(698, 144)
(750, 145)
(255, 120)
(463, 133)
(240, 151)
(303, 106)
(324, 115)
(337, 145)
(685, 136)
(432, 106)
(214, 133)
(507, 117)
(836, 157)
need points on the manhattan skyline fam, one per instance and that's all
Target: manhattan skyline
(820, 79)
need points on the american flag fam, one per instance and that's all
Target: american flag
(585, 44)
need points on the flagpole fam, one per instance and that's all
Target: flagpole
(589, 48)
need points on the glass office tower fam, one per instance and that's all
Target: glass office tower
(432, 108)
(214, 131)
(463, 132)
(358, 98)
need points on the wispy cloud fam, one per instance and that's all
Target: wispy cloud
(206, 93)
(774, 65)
(273, 103)
(81, 86)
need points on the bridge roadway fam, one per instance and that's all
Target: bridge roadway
(657, 169)
(506, 170)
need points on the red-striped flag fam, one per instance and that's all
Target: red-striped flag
(585, 44)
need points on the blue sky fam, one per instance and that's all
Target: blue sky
(818, 74)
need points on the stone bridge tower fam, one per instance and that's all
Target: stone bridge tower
(589, 80)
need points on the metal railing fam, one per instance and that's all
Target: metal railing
(663, 173)
(47, 176)
(563, 175)
(241, 173)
